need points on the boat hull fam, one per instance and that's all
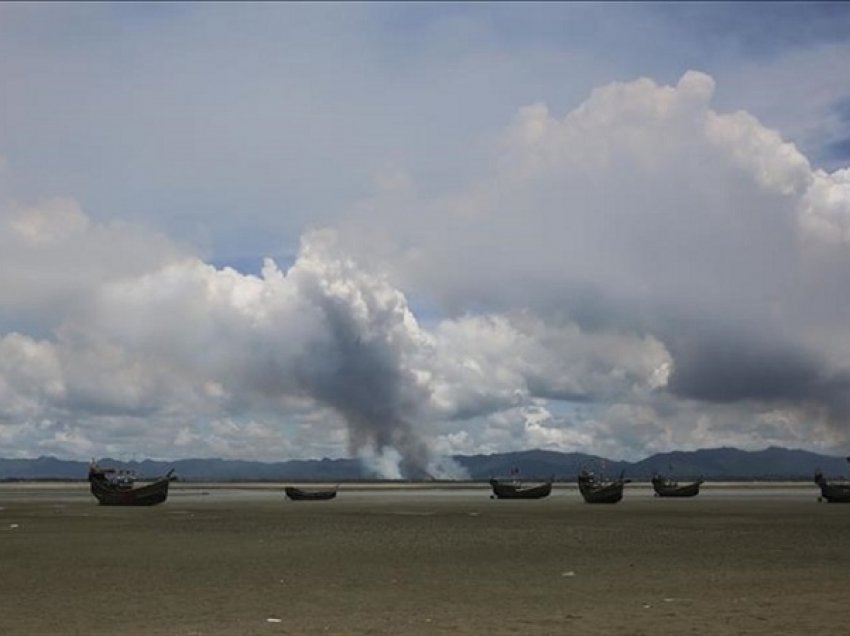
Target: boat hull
(506, 490)
(149, 495)
(831, 491)
(299, 494)
(663, 488)
(597, 492)
(609, 494)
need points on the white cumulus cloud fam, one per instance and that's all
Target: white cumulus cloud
(639, 273)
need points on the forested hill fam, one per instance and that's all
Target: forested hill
(714, 464)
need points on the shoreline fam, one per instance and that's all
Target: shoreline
(48, 484)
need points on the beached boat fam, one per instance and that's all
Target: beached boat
(513, 489)
(834, 491)
(300, 494)
(113, 488)
(667, 487)
(595, 489)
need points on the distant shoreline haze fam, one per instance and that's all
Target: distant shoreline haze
(718, 464)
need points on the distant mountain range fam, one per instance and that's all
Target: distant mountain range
(714, 464)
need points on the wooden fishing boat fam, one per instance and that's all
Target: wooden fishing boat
(668, 487)
(598, 490)
(301, 494)
(833, 491)
(513, 489)
(112, 488)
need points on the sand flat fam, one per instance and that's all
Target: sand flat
(227, 560)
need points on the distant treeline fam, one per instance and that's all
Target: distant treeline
(718, 464)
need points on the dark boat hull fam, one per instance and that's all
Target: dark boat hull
(299, 494)
(664, 488)
(832, 492)
(608, 494)
(506, 490)
(149, 495)
(598, 492)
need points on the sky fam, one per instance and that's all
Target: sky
(402, 232)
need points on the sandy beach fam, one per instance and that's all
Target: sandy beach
(763, 559)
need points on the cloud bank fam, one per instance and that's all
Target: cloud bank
(641, 273)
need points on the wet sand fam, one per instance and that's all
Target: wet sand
(223, 560)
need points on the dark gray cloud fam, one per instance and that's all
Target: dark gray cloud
(731, 366)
